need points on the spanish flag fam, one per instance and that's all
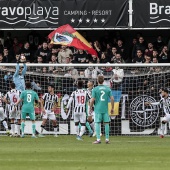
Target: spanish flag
(67, 35)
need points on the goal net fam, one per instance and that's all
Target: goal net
(132, 85)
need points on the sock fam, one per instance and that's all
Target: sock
(22, 127)
(41, 129)
(33, 129)
(18, 129)
(92, 126)
(97, 127)
(107, 131)
(163, 128)
(13, 128)
(77, 130)
(82, 130)
(5, 125)
(89, 127)
(55, 129)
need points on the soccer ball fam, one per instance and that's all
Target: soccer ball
(22, 58)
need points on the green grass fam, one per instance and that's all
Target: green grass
(66, 153)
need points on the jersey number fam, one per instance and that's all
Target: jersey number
(14, 99)
(28, 98)
(101, 96)
(80, 99)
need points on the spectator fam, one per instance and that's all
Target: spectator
(63, 54)
(147, 58)
(55, 51)
(97, 47)
(158, 44)
(139, 46)
(139, 58)
(134, 41)
(16, 47)
(17, 58)
(121, 49)
(26, 51)
(39, 61)
(1, 47)
(109, 49)
(1, 58)
(6, 57)
(44, 52)
(94, 59)
(118, 59)
(155, 53)
(113, 55)
(164, 55)
(149, 50)
(154, 60)
(104, 58)
(81, 57)
(8, 42)
(44, 70)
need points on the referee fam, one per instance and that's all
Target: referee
(18, 77)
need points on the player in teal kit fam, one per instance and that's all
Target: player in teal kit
(101, 95)
(28, 98)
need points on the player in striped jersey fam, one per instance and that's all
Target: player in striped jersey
(90, 119)
(3, 115)
(79, 98)
(165, 104)
(11, 98)
(50, 101)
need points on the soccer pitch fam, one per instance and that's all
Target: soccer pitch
(66, 153)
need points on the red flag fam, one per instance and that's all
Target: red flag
(67, 35)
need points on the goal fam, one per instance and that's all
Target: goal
(132, 85)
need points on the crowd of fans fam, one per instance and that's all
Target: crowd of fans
(112, 50)
(109, 50)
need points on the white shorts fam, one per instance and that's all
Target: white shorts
(15, 114)
(49, 115)
(2, 114)
(166, 118)
(80, 117)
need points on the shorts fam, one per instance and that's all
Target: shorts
(48, 115)
(101, 117)
(15, 114)
(166, 118)
(2, 114)
(80, 117)
(31, 115)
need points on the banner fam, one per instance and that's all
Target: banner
(151, 13)
(52, 14)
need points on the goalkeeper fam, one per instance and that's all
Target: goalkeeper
(18, 77)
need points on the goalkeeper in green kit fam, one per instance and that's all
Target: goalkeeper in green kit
(28, 98)
(101, 94)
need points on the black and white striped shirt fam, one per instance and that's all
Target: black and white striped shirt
(79, 99)
(13, 96)
(165, 103)
(49, 100)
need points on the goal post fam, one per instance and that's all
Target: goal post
(132, 85)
